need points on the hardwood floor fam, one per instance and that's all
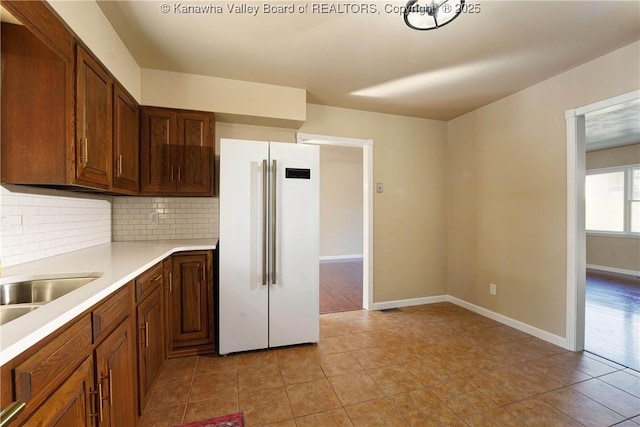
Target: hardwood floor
(612, 318)
(340, 286)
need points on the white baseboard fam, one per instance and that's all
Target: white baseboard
(614, 270)
(531, 330)
(526, 328)
(408, 302)
(340, 257)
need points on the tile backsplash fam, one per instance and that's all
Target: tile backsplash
(37, 223)
(164, 218)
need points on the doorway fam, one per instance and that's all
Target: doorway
(596, 298)
(333, 265)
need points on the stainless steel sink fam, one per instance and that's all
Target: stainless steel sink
(19, 298)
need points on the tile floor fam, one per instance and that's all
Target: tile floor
(431, 365)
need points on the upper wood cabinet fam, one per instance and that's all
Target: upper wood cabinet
(176, 152)
(126, 142)
(94, 117)
(37, 101)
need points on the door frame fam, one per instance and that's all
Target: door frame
(367, 199)
(576, 229)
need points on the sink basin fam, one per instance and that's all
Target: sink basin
(19, 298)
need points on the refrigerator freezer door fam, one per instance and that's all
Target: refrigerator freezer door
(294, 298)
(243, 312)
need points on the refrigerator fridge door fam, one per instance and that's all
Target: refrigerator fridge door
(243, 294)
(294, 297)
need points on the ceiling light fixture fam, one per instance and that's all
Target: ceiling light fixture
(428, 15)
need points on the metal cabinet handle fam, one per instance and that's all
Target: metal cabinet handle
(100, 404)
(84, 151)
(120, 165)
(11, 412)
(179, 174)
(110, 388)
(158, 277)
(146, 334)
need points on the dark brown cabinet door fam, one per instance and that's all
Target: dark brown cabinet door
(151, 343)
(73, 403)
(176, 152)
(158, 150)
(190, 305)
(126, 143)
(196, 154)
(116, 375)
(93, 121)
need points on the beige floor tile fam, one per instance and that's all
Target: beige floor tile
(564, 373)
(168, 392)
(334, 329)
(624, 380)
(213, 363)
(463, 398)
(424, 408)
(162, 416)
(500, 388)
(355, 388)
(302, 370)
(372, 358)
(312, 397)
(287, 423)
(534, 413)
(265, 406)
(211, 408)
(395, 379)
(424, 372)
(295, 354)
(584, 362)
(214, 385)
(333, 418)
(374, 413)
(613, 398)
(256, 359)
(259, 378)
(497, 417)
(179, 366)
(329, 345)
(357, 341)
(338, 364)
(581, 408)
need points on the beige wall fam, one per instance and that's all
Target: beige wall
(340, 201)
(232, 100)
(610, 251)
(506, 191)
(409, 241)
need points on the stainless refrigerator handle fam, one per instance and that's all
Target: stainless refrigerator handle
(274, 179)
(264, 223)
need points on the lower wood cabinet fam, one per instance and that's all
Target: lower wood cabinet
(71, 404)
(85, 373)
(115, 370)
(151, 347)
(190, 316)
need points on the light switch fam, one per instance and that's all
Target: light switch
(379, 188)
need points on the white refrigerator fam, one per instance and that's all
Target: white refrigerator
(269, 245)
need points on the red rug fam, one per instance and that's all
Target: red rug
(232, 420)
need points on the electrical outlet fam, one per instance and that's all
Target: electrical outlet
(154, 217)
(493, 288)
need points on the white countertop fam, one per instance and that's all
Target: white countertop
(116, 262)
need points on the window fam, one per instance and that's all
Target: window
(612, 200)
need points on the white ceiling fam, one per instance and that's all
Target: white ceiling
(372, 61)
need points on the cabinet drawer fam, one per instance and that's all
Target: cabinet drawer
(110, 313)
(53, 362)
(148, 281)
